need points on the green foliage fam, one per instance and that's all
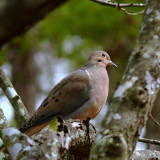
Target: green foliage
(98, 27)
(54, 125)
(79, 27)
(2, 57)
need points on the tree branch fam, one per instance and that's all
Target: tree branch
(15, 142)
(73, 139)
(3, 120)
(3, 124)
(17, 16)
(151, 141)
(134, 98)
(14, 98)
(121, 6)
(146, 154)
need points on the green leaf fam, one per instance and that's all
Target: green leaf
(54, 125)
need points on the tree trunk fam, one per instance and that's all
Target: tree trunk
(134, 98)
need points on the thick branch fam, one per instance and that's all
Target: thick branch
(15, 142)
(136, 94)
(17, 16)
(73, 139)
(14, 98)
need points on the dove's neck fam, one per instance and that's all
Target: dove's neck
(93, 67)
(94, 71)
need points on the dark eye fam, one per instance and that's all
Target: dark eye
(103, 55)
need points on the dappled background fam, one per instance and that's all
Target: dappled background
(62, 43)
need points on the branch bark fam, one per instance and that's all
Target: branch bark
(14, 98)
(3, 120)
(73, 140)
(146, 154)
(117, 5)
(136, 94)
(3, 124)
(17, 16)
(122, 6)
(151, 141)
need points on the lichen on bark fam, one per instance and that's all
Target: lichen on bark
(73, 140)
(136, 93)
(14, 98)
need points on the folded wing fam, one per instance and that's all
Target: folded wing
(66, 97)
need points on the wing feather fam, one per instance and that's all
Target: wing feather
(65, 98)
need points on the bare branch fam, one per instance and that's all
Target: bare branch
(13, 97)
(117, 5)
(131, 14)
(121, 6)
(151, 141)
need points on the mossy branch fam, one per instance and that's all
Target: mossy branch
(7, 87)
(73, 140)
(134, 98)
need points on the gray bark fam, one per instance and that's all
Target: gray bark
(145, 155)
(73, 140)
(135, 95)
(3, 120)
(7, 87)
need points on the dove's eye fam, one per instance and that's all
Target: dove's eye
(103, 55)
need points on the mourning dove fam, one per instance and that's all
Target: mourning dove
(80, 95)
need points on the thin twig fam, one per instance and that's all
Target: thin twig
(121, 6)
(131, 14)
(151, 141)
(117, 5)
(154, 120)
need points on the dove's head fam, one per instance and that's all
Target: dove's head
(100, 58)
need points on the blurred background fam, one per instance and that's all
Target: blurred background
(62, 43)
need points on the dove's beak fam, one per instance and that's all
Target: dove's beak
(113, 64)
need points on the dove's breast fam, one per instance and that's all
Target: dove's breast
(99, 81)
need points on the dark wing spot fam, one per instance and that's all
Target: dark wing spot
(53, 98)
(45, 104)
(60, 93)
(56, 100)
